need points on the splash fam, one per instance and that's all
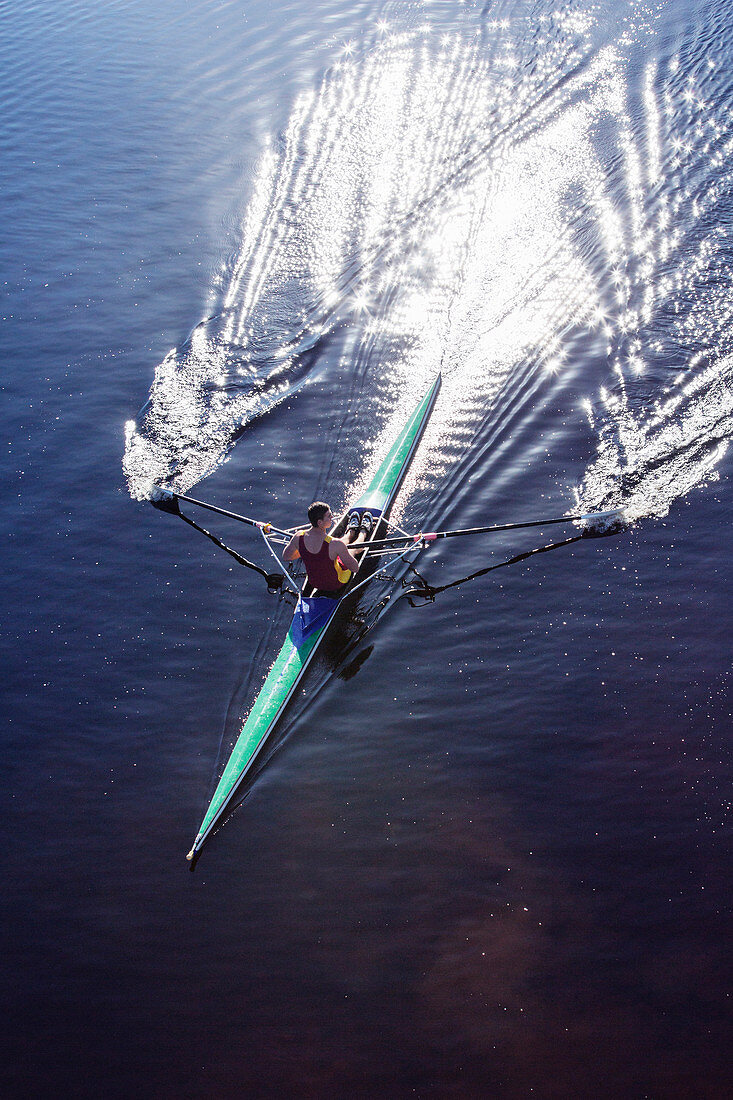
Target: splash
(402, 195)
(666, 421)
(471, 200)
(646, 460)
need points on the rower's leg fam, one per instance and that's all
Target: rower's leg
(353, 532)
(353, 537)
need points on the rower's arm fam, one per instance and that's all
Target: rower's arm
(337, 548)
(291, 552)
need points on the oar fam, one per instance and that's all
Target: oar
(168, 502)
(433, 536)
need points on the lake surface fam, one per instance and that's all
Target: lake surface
(489, 855)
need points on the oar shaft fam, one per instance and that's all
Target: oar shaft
(433, 536)
(231, 515)
(499, 527)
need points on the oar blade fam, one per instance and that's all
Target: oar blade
(165, 500)
(597, 524)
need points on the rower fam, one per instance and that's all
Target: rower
(329, 562)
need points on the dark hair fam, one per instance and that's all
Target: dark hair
(317, 511)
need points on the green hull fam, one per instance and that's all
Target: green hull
(310, 624)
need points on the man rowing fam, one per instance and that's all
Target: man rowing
(329, 562)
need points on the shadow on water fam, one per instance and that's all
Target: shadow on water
(358, 614)
(343, 655)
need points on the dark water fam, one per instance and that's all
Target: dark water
(491, 856)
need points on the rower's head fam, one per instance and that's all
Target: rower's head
(319, 515)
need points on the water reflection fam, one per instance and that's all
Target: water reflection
(664, 421)
(466, 201)
(422, 181)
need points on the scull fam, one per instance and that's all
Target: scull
(315, 613)
(313, 618)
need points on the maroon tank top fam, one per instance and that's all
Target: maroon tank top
(319, 567)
